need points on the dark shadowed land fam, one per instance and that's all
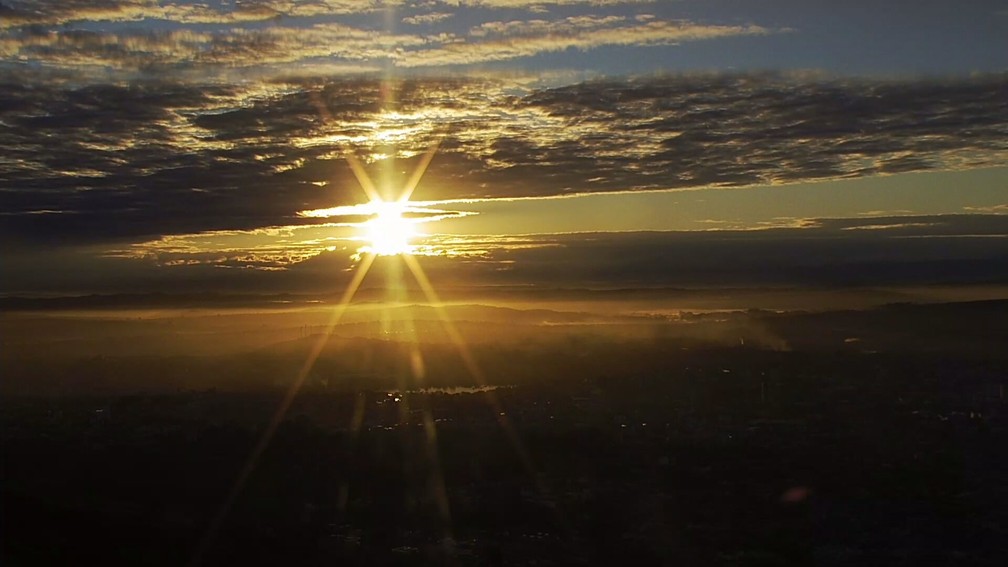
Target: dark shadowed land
(653, 427)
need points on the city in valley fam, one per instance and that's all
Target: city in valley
(711, 436)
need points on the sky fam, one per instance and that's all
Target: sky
(166, 146)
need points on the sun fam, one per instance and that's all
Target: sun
(389, 232)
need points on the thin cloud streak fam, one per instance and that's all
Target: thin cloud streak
(61, 12)
(18, 13)
(183, 51)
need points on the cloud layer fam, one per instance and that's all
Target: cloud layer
(101, 162)
(826, 253)
(916, 250)
(127, 38)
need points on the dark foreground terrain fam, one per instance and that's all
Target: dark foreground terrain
(585, 448)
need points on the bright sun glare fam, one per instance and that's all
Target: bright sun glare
(389, 232)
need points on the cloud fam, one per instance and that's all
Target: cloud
(195, 38)
(185, 50)
(164, 157)
(821, 254)
(910, 226)
(897, 251)
(20, 13)
(565, 26)
(963, 249)
(505, 42)
(60, 12)
(425, 19)
(531, 4)
(1003, 208)
(800, 247)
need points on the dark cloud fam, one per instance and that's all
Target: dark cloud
(135, 160)
(916, 250)
(883, 251)
(149, 158)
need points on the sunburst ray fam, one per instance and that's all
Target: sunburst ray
(472, 366)
(349, 154)
(435, 478)
(420, 170)
(281, 411)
